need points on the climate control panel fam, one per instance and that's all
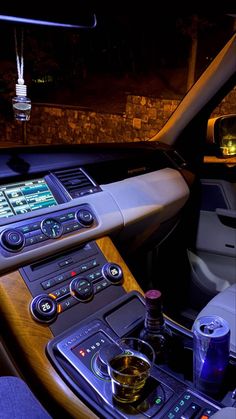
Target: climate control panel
(22, 236)
(46, 307)
(68, 286)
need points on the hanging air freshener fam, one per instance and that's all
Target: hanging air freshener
(21, 103)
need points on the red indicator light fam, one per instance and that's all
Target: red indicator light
(82, 352)
(73, 273)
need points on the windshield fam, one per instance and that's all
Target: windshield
(135, 64)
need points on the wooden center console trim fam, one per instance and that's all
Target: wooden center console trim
(112, 255)
(30, 338)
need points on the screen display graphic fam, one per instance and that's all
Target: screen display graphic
(23, 197)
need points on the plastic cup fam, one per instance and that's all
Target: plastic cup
(130, 368)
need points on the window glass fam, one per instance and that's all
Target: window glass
(130, 52)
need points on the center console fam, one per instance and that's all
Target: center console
(77, 355)
(58, 313)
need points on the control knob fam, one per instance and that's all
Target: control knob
(43, 308)
(85, 217)
(52, 228)
(13, 240)
(81, 289)
(113, 272)
(106, 353)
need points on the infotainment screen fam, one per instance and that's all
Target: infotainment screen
(26, 196)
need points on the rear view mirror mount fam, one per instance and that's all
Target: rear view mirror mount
(221, 131)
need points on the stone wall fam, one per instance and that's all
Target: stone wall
(227, 105)
(54, 124)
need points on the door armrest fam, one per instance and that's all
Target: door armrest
(227, 216)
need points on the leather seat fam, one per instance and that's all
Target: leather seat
(225, 413)
(18, 402)
(224, 305)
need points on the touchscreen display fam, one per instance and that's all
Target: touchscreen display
(26, 196)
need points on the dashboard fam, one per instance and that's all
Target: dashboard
(59, 211)
(55, 198)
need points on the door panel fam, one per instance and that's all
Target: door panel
(213, 260)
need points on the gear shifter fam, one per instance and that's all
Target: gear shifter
(107, 351)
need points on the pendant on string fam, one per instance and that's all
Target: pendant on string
(21, 103)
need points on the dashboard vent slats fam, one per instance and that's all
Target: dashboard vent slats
(76, 182)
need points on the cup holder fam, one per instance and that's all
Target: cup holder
(180, 364)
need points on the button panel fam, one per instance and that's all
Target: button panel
(189, 406)
(49, 283)
(78, 290)
(87, 284)
(78, 284)
(63, 295)
(46, 229)
(47, 277)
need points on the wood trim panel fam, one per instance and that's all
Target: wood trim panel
(110, 252)
(220, 160)
(30, 338)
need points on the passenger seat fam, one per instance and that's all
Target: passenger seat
(18, 402)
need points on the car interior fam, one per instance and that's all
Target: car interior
(87, 229)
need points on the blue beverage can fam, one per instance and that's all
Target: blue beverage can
(211, 346)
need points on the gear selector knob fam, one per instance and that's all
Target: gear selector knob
(106, 353)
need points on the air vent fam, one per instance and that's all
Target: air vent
(76, 182)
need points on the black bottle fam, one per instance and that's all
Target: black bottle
(155, 330)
